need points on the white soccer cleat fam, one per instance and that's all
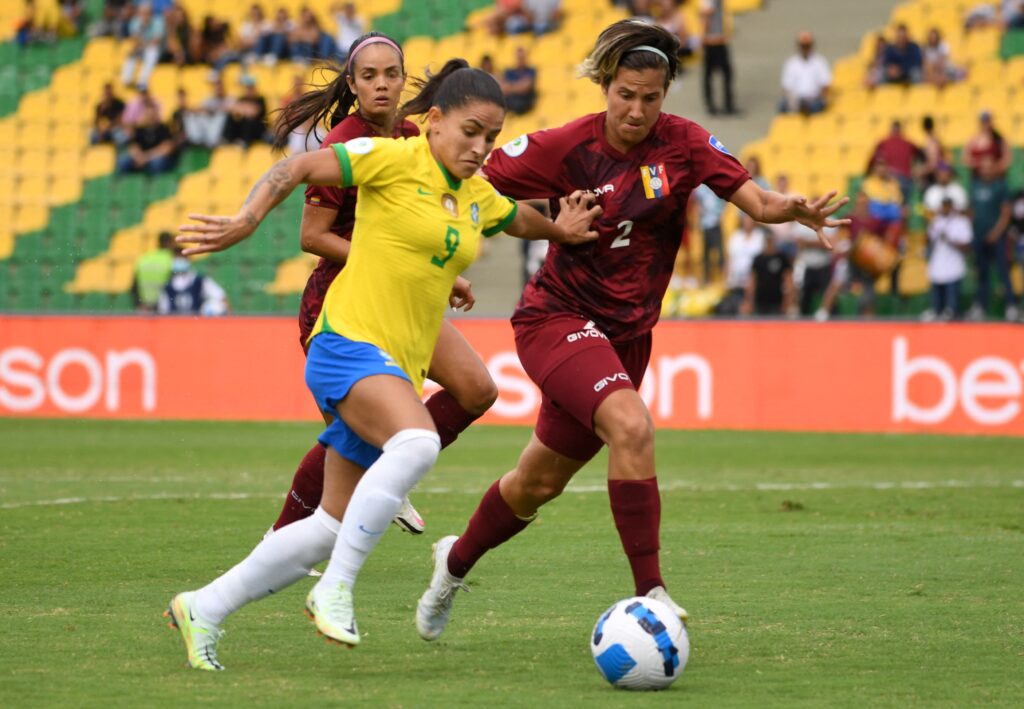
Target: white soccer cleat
(436, 602)
(408, 519)
(331, 609)
(199, 635)
(659, 593)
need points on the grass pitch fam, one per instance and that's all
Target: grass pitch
(819, 570)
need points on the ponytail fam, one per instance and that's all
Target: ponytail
(330, 104)
(454, 86)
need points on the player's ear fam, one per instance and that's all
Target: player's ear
(434, 116)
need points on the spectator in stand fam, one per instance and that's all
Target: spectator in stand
(642, 11)
(519, 84)
(936, 66)
(176, 124)
(708, 208)
(886, 210)
(903, 60)
(178, 46)
(987, 143)
(487, 64)
(152, 272)
(876, 67)
(814, 265)
(1008, 15)
(846, 273)
(770, 286)
(205, 125)
(189, 292)
(134, 108)
(210, 44)
(715, 40)
(885, 201)
(113, 20)
(146, 34)
(949, 234)
(670, 16)
(106, 124)
(303, 138)
(990, 204)
(247, 116)
(753, 166)
(933, 153)
(1013, 14)
(1015, 233)
(350, 27)
(945, 187)
(71, 18)
(273, 42)
(806, 78)
(743, 247)
(308, 41)
(899, 155)
(249, 31)
(151, 148)
(519, 16)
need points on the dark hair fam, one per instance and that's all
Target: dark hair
(165, 239)
(928, 123)
(619, 47)
(330, 104)
(453, 87)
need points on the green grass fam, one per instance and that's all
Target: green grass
(848, 593)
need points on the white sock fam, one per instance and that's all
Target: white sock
(278, 561)
(407, 457)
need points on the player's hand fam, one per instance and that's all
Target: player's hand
(816, 215)
(576, 213)
(214, 233)
(462, 297)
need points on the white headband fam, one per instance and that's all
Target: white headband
(649, 48)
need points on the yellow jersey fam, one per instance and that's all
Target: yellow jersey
(416, 229)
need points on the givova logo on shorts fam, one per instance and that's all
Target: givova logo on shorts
(589, 330)
(605, 381)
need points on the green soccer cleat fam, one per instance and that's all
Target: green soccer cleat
(200, 636)
(331, 609)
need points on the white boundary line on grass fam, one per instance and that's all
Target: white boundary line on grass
(577, 489)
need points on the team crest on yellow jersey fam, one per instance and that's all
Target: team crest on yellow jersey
(450, 205)
(474, 213)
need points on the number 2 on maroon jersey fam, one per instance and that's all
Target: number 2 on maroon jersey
(623, 238)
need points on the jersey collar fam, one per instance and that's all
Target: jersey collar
(452, 182)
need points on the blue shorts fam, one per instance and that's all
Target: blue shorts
(333, 366)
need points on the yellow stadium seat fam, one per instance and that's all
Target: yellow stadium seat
(33, 161)
(788, 128)
(226, 160)
(30, 217)
(7, 183)
(99, 160)
(989, 71)
(887, 100)
(64, 189)
(6, 243)
(127, 244)
(101, 53)
(959, 129)
(292, 274)
(954, 99)
(31, 189)
(982, 43)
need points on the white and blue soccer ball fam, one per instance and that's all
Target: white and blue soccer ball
(639, 643)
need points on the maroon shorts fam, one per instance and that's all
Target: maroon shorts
(576, 368)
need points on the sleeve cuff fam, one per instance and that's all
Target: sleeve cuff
(500, 226)
(345, 163)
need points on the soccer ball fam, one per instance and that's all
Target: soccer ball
(639, 643)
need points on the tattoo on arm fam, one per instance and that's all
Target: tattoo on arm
(279, 177)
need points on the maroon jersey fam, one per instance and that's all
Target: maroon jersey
(619, 280)
(343, 200)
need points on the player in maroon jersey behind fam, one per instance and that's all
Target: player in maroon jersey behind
(374, 75)
(583, 325)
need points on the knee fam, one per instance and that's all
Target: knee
(541, 488)
(418, 447)
(628, 430)
(480, 396)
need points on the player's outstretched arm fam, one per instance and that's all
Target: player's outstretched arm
(768, 207)
(319, 167)
(577, 213)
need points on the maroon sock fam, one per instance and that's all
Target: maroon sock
(307, 488)
(450, 419)
(493, 524)
(636, 507)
